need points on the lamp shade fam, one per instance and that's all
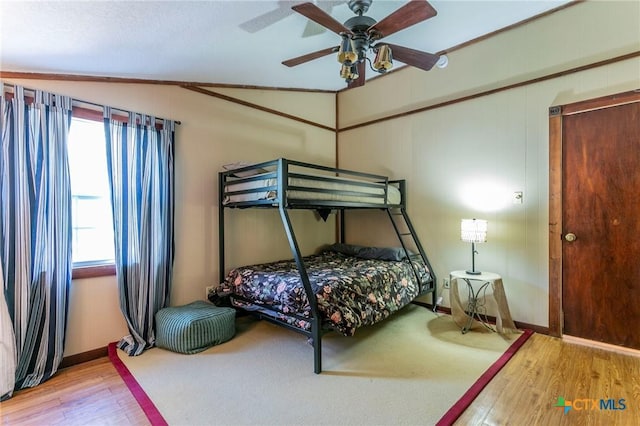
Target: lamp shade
(473, 230)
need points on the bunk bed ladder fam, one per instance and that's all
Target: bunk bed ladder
(410, 236)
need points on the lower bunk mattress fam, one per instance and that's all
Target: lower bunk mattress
(351, 291)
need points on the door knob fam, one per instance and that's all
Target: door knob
(571, 237)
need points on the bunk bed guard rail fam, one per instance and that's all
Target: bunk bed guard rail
(297, 184)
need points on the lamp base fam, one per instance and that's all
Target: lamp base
(473, 272)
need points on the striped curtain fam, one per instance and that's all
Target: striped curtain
(35, 230)
(140, 165)
(7, 346)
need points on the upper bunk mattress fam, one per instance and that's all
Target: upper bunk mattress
(347, 190)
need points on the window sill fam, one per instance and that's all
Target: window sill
(94, 271)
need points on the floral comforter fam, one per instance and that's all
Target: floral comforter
(351, 292)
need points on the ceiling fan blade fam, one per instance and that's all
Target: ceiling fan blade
(313, 29)
(309, 56)
(318, 15)
(410, 14)
(361, 76)
(263, 21)
(415, 58)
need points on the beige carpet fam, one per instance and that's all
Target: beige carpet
(410, 369)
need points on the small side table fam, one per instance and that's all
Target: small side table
(476, 301)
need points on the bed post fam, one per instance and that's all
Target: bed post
(221, 259)
(311, 296)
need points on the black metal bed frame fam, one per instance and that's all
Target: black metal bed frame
(280, 171)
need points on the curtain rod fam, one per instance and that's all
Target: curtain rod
(81, 103)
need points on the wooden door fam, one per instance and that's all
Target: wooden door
(601, 207)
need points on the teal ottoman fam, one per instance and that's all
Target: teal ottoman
(192, 328)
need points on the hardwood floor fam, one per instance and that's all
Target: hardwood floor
(91, 393)
(527, 389)
(524, 392)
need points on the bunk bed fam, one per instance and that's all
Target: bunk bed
(341, 288)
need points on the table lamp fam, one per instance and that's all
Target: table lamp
(473, 231)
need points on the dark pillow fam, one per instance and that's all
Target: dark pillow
(378, 253)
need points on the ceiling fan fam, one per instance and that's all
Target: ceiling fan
(362, 33)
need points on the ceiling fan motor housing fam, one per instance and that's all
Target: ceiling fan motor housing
(358, 26)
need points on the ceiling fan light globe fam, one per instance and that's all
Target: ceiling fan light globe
(383, 61)
(347, 59)
(349, 72)
(347, 52)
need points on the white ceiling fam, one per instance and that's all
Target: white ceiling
(223, 42)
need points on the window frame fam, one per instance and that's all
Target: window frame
(93, 271)
(108, 268)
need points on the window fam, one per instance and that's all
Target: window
(91, 203)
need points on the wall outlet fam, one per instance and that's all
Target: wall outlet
(518, 196)
(209, 290)
(445, 283)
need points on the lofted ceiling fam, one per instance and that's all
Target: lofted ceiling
(220, 42)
